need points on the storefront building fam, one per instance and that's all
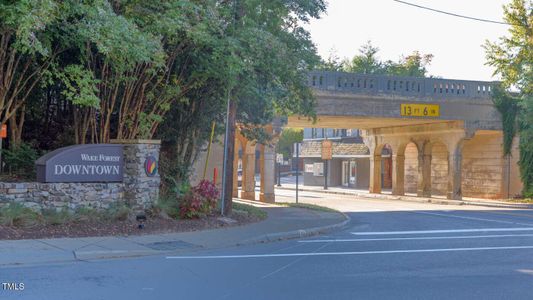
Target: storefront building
(350, 165)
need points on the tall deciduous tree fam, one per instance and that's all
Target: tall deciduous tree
(512, 57)
(272, 53)
(368, 62)
(288, 137)
(26, 50)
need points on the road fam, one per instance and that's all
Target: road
(390, 250)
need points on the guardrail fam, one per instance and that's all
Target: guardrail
(404, 86)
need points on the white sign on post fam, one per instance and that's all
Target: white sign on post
(279, 158)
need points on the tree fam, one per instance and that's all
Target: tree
(288, 137)
(271, 54)
(366, 62)
(26, 50)
(413, 65)
(333, 63)
(512, 58)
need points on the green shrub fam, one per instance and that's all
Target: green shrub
(83, 214)
(200, 201)
(169, 205)
(118, 212)
(17, 215)
(54, 217)
(20, 160)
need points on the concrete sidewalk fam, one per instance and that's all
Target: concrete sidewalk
(282, 223)
(410, 198)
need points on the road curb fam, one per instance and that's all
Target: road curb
(110, 254)
(90, 255)
(294, 234)
(419, 199)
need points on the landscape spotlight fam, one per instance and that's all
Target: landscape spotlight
(141, 219)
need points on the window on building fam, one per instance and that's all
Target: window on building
(352, 132)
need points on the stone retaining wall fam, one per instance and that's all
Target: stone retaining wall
(138, 190)
(57, 196)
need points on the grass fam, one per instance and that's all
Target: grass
(524, 200)
(16, 215)
(250, 210)
(308, 206)
(169, 205)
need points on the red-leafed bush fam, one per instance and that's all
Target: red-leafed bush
(200, 201)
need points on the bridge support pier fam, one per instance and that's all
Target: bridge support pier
(455, 159)
(398, 171)
(424, 171)
(248, 172)
(267, 163)
(375, 174)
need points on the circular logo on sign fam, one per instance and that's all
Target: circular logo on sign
(150, 166)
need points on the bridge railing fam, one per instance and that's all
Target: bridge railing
(439, 88)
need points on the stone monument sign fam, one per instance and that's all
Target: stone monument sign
(82, 163)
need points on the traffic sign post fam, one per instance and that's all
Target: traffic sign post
(279, 160)
(327, 154)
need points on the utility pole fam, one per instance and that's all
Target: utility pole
(229, 153)
(229, 139)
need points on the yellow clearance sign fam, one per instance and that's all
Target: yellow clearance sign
(420, 110)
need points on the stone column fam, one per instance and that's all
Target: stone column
(248, 172)
(268, 165)
(141, 174)
(375, 174)
(424, 174)
(398, 170)
(454, 174)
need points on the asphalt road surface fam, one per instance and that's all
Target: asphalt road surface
(390, 250)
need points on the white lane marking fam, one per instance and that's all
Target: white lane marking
(417, 238)
(349, 253)
(442, 231)
(470, 218)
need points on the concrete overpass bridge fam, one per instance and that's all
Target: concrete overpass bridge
(445, 135)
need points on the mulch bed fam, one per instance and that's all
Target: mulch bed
(119, 228)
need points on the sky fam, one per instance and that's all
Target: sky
(398, 29)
